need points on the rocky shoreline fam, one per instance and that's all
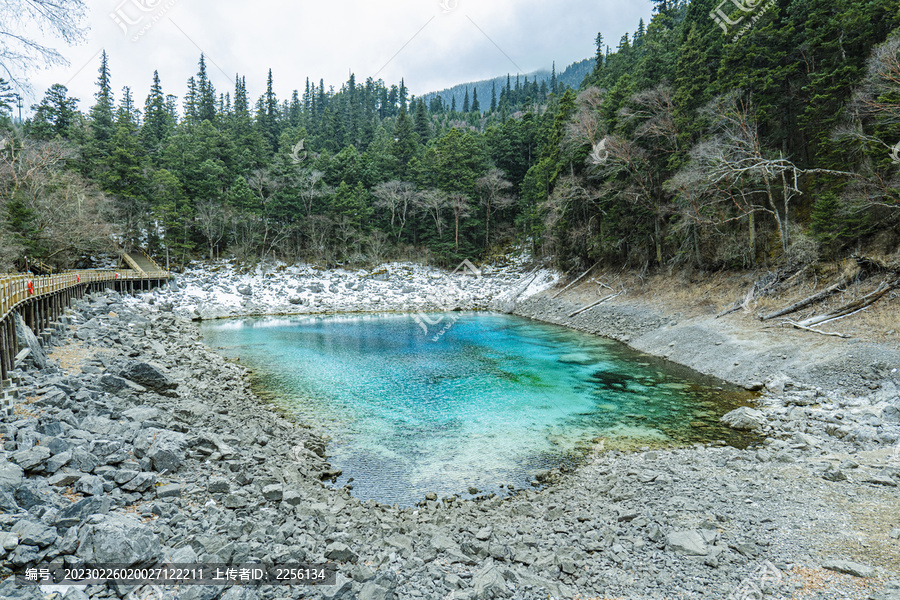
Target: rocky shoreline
(146, 446)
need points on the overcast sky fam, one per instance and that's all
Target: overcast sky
(433, 44)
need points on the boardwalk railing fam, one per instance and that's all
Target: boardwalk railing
(40, 300)
(16, 289)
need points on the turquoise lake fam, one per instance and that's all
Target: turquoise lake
(443, 402)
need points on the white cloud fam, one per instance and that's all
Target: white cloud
(430, 47)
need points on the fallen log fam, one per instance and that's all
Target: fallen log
(582, 276)
(759, 288)
(593, 304)
(830, 291)
(875, 264)
(799, 326)
(852, 307)
(509, 305)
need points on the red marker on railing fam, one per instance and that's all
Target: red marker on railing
(31, 288)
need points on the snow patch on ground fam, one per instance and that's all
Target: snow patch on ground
(224, 289)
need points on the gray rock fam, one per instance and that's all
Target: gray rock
(64, 479)
(218, 485)
(849, 568)
(11, 476)
(31, 495)
(372, 591)
(140, 483)
(91, 485)
(245, 290)
(273, 492)
(891, 414)
(84, 460)
(8, 541)
(149, 376)
(8, 502)
(115, 385)
(442, 543)
(140, 414)
(340, 552)
(57, 461)
(687, 542)
(489, 582)
(341, 590)
(34, 534)
(240, 592)
(32, 458)
(27, 339)
(292, 498)
(167, 451)
(118, 539)
(744, 419)
(79, 511)
(171, 490)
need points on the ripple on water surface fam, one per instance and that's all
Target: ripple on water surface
(488, 402)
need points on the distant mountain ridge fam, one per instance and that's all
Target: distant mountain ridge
(572, 76)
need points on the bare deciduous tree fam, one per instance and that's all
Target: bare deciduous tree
(874, 108)
(397, 197)
(212, 218)
(738, 160)
(66, 213)
(493, 188)
(459, 205)
(20, 53)
(433, 203)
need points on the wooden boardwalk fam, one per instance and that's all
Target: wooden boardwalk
(40, 300)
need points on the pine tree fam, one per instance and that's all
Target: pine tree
(269, 124)
(127, 115)
(101, 114)
(494, 97)
(553, 81)
(205, 94)
(467, 106)
(55, 115)
(157, 121)
(476, 107)
(295, 111)
(422, 126)
(191, 102)
(402, 95)
(406, 138)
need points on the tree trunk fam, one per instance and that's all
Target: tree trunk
(752, 238)
(657, 241)
(487, 226)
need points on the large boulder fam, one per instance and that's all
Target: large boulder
(27, 339)
(149, 376)
(744, 419)
(117, 539)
